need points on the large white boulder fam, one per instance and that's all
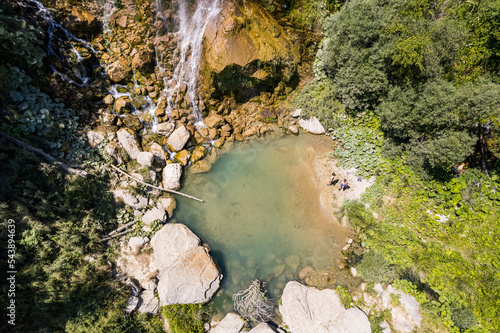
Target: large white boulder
(129, 142)
(312, 125)
(172, 176)
(187, 273)
(178, 139)
(309, 310)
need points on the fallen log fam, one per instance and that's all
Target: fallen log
(43, 155)
(155, 187)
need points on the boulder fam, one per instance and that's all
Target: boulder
(214, 120)
(135, 243)
(201, 167)
(262, 328)
(109, 99)
(154, 214)
(159, 154)
(129, 142)
(309, 310)
(135, 201)
(148, 302)
(165, 129)
(187, 273)
(122, 22)
(168, 204)
(183, 157)
(119, 70)
(132, 122)
(138, 266)
(122, 105)
(198, 153)
(231, 323)
(145, 158)
(143, 60)
(132, 303)
(172, 176)
(312, 125)
(178, 139)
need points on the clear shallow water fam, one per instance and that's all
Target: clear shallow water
(261, 216)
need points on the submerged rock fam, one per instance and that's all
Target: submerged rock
(309, 310)
(231, 323)
(188, 273)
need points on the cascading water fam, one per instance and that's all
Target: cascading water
(58, 35)
(190, 38)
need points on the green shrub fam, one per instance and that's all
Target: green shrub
(356, 211)
(464, 318)
(184, 318)
(374, 268)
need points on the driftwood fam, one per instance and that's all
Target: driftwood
(117, 230)
(155, 187)
(43, 155)
(253, 304)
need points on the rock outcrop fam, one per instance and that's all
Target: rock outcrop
(119, 70)
(309, 310)
(187, 272)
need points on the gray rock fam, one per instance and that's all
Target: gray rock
(262, 328)
(145, 158)
(386, 328)
(312, 125)
(148, 303)
(165, 129)
(172, 176)
(129, 142)
(135, 201)
(153, 215)
(178, 139)
(309, 310)
(406, 317)
(232, 323)
(136, 242)
(132, 303)
(187, 272)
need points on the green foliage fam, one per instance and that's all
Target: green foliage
(345, 296)
(317, 99)
(375, 268)
(357, 213)
(455, 258)
(186, 317)
(359, 145)
(464, 318)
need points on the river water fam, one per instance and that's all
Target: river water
(262, 217)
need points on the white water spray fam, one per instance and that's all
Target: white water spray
(190, 37)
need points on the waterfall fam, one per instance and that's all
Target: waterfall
(57, 34)
(190, 38)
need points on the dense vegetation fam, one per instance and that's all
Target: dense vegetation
(410, 89)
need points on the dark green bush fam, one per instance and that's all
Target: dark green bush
(374, 268)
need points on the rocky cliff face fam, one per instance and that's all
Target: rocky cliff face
(246, 52)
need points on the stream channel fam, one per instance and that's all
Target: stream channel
(262, 217)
